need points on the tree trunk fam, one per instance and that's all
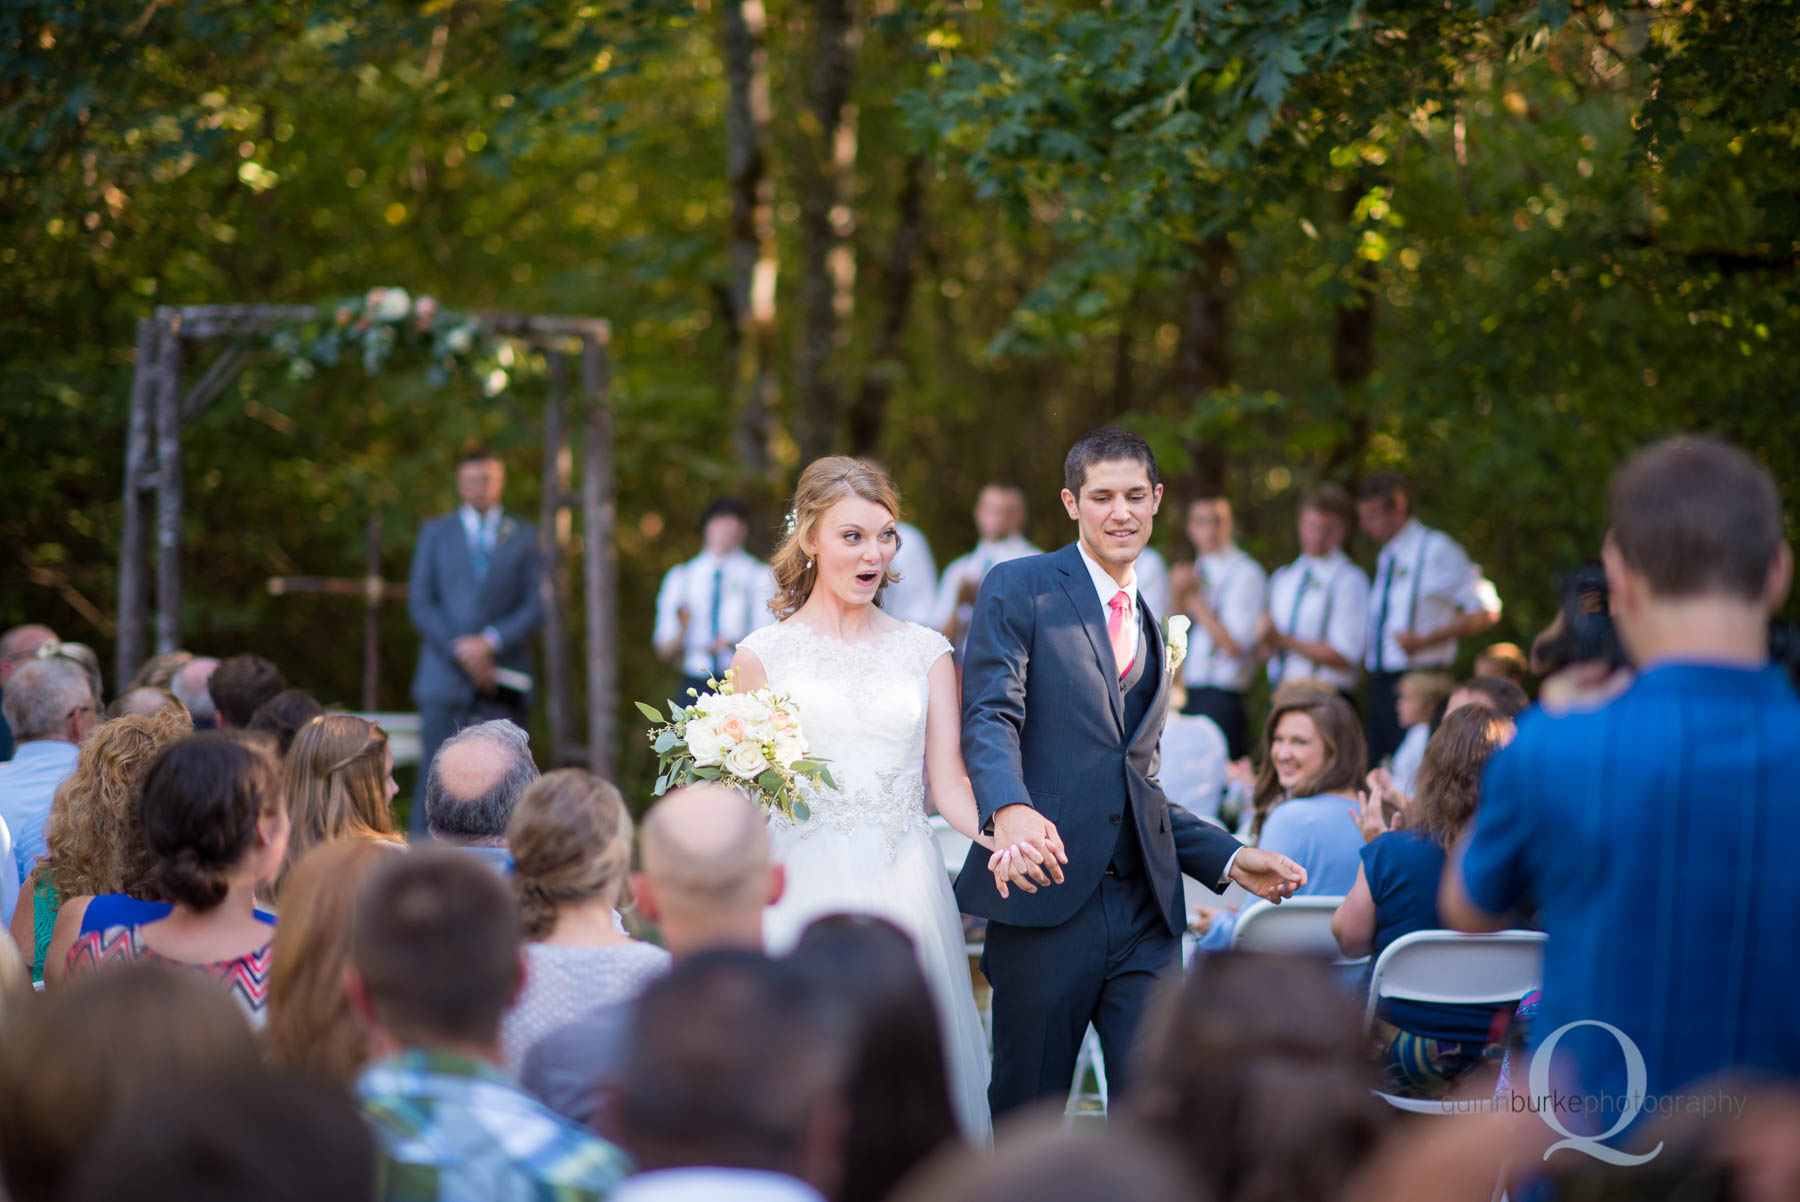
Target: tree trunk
(751, 292)
(886, 362)
(1203, 360)
(827, 264)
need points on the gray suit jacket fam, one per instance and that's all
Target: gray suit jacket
(446, 603)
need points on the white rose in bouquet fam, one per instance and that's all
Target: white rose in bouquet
(705, 743)
(746, 761)
(789, 750)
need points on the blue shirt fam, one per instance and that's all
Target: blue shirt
(107, 910)
(1316, 833)
(1656, 836)
(28, 783)
(1403, 869)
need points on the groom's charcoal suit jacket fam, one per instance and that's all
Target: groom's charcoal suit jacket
(1046, 724)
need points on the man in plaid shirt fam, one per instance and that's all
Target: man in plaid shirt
(436, 952)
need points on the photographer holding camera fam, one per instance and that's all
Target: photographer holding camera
(1652, 817)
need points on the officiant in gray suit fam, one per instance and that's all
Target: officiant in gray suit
(476, 597)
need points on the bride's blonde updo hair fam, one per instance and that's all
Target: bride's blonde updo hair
(823, 484)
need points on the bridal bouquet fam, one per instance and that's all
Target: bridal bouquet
(752, 741)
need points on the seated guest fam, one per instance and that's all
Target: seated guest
(435, 962)
(1195, 765)
(475, 779)
(571, 844)
(240, 685)
(1495, 692)
(312, 1027)
(1418, 698)
(706, 878)
(1312, 763)
(83, 657)
(229, 1137)
(50, 707)
(158, 672)
(17, 646)
(734, 1084)
(142, 700)
(284, 714)
(73, 1061)
(899, 1093)
(339, 782)
(1426, 1046)
(1504, 660)
(1262, 1100)
(190, 683)
(214, 819)
(93, 837)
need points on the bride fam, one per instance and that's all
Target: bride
(877, 698)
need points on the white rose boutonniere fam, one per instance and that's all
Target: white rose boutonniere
(1175, 640)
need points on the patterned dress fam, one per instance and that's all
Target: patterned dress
(246, 977)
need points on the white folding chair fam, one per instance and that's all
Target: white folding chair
(1453, 969)
(1086, 1103)
(1299, 924)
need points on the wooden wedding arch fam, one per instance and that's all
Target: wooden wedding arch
(160, 411)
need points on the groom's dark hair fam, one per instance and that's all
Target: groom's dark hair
(1108, 444)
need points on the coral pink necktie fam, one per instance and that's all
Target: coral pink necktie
(1123, 644)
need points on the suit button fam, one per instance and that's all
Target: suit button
(1114, 819)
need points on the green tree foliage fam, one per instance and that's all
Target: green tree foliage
(1496, 243)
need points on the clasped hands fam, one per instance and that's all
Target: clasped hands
(1027, 851)
(475, 656)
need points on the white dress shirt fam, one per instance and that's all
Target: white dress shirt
(744, 586)
(1234, 585)
(973, 567)
(1323, 599)
(1194, 763)
(1423, 579)
(1411, 753)
(1153, 581)
(712, 1185)
(914, 597)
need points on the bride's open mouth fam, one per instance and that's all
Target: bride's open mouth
(869, 578)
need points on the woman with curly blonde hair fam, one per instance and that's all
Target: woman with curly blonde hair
(94, 839)
(311, 1026)
(340, 784)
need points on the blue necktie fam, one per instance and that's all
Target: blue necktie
(1387, 585)
(478, 550)
(718, 589)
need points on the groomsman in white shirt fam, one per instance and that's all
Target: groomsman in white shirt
(1221, 655)
(1426, 595)
(912, 598)
(709, 603)
(1318, 613)
(999, 520)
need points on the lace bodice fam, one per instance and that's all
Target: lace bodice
(862, 707)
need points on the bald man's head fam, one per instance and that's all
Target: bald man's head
(475, 780)
(143, 701)
(706, 870)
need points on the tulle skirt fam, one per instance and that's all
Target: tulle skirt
(834, 872)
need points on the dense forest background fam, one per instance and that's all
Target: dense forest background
(1496, 244)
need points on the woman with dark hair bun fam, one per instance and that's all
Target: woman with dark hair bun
(899, 1092)
(215, 821)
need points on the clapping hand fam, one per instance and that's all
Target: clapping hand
(1368, 816)
(1205, 916)
(1383, 789)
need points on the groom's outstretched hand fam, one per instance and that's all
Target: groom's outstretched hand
(1270, 876)
(1030, 852)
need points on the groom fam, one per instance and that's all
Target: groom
(1065, 688)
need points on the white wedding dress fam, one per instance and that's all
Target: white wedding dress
(866, 847)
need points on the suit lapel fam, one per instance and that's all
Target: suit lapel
(1080, 589)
